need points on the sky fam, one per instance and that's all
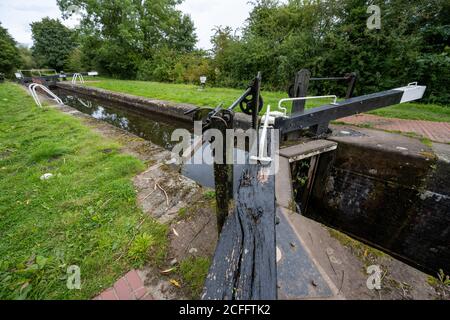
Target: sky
(16, 16)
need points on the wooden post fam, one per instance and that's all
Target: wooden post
(301, 90)
(244, 265)
(223, 172)
(222, 175)
(351, 85)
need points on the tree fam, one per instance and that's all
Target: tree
(26, 55)
(130, 32)
(331, 38)
(9, 54)
(52, 43)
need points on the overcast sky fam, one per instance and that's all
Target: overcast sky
(16, 16)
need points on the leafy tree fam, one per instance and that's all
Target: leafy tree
(331, 37)
(9, 54)
(52, 43)
(130, 31)
(26, 55)
(152, 40)
(75, 61)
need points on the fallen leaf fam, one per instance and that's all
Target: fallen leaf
(175, 283)
(167, 271)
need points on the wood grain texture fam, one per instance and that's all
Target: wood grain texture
(244, 265)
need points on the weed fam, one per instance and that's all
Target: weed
(182, 213)
(193, 271)
(210, 194)
(427, 142)
(139, 249)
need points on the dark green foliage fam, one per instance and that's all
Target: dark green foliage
(169, 66)
(27, 60)
(331, 38)
(152, 40)
(9, 54)
(128, 39)
(52, 43)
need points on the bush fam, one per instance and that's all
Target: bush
(75, 61)
(159, 68)
(433, 70)
(168, 66)
(9, 54)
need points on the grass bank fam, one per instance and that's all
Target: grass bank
(182, 93)
(85, 215)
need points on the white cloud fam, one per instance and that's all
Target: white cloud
(208, 14)
(16, 16)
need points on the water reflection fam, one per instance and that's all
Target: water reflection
(154, 128)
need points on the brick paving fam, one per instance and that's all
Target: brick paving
(435, 131)
(129, 287)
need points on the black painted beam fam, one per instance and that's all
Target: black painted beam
(327, 113)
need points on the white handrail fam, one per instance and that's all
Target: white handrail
(32, 89)
(262, 141)
(304, 98)
(36, 99)
(78, 76)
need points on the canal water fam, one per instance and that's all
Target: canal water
(154, 128)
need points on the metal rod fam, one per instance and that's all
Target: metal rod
(239, 100)
(305, 98)
(330, 78)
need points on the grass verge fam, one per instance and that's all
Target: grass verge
(85, 215)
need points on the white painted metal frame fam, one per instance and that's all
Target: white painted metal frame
(38, 71)
(77, 76)
(32, 89)
(283, 111)
(263, 139)
(304, 98)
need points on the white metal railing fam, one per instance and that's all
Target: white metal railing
(32, 89)
(283, 111)
(77, 76)
(262, 155)
(304, 98)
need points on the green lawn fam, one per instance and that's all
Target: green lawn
(191, 94)
(416, 111)
(86, 215)
(213, 96)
